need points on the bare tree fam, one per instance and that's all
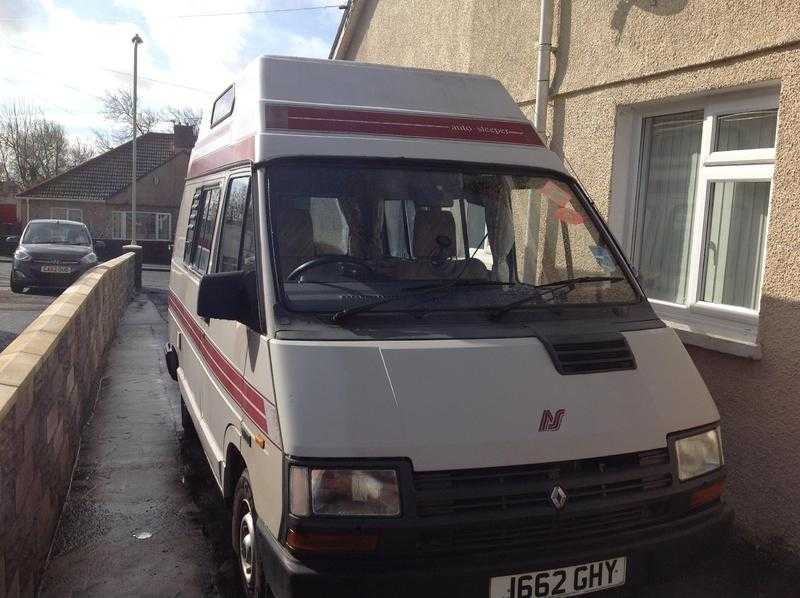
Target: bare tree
(33, 148)
(117, 107)
(79, 152)
(187, 116)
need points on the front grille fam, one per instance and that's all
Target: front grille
(544, 533)
(517, 488)
(509, 507)
(581, 356)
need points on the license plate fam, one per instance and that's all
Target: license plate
(57, 269)
(566, 581)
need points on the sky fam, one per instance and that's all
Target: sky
(63, 55)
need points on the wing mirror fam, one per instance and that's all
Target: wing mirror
(13, 240)
(230, 296)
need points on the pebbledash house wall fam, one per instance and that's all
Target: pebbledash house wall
(158, 191)
(610, 58)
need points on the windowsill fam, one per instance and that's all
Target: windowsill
(717, 328)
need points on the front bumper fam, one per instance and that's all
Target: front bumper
(30, 275)
(651, 553)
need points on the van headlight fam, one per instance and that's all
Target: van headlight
(89, 258)
(699, 454)
(343, 492)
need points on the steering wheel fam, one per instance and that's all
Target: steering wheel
(321, 260)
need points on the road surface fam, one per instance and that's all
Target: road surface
(17, 311)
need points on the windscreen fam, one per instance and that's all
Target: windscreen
(345, 235)
(56, 233)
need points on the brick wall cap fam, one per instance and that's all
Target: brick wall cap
(17, 368)
(52, 320)
(34, 342)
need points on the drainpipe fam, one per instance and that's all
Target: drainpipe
(543, 65)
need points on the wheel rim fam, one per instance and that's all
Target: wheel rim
(246, 541)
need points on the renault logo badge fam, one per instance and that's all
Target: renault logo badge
(558, 497)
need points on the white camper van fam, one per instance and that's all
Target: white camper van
(416, 359)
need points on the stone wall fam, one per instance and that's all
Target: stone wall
(48, 384)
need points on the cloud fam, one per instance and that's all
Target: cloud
(309, 46)
(61, 56)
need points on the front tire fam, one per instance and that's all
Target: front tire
(243, 532)
(16, 287)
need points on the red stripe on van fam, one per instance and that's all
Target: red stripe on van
(247, 397)
(401, 124)
(240, 151)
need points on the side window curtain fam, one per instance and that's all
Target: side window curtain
(190, 229)
(234, 221)
(204, 230)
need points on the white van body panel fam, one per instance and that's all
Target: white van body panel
(280, 145)
(442, 404)
(431, 401)
(358, 88)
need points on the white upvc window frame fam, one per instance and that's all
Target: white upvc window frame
(725, 328)
(66, 211)
(126, 218)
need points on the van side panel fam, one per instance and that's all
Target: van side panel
(266, 471)
(194, 370)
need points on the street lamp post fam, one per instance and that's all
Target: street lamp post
(136, 41)
(133, 247)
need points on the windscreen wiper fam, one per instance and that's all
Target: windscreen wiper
(539, 292)
(412, 292)
(340, 315)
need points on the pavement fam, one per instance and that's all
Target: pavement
(144, 516)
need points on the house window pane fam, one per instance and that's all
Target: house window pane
(163, 226)
(746, 130)
(74, 214)
(735, 230)
(671, 147)
(145, 226)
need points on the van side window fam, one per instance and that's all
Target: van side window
(223, 107)
(234, 223)
(200, 249)
(248, 257)
(190, 229)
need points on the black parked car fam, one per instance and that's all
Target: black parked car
(51, 254)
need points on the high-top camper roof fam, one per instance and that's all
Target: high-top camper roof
(283, 106)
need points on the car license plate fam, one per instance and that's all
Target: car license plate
(566, 581)
(57, 269)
